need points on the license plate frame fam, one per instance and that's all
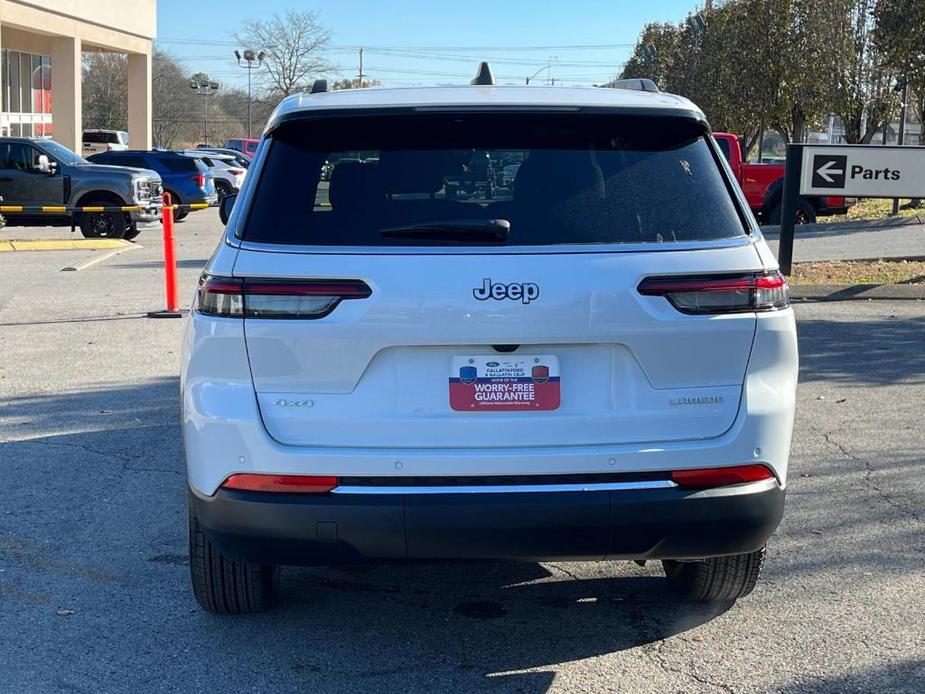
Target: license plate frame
(501, 383)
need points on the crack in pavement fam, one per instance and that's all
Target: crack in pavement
(869, 469)
(124, 463)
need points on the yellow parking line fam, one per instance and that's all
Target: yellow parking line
(62, 244)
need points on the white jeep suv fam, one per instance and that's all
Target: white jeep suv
(599, 363)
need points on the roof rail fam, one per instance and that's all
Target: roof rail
(318, 87)
(483, 77)
(642, 84)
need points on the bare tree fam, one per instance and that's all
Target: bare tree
(173, 103)
(293, 42)
(355, 83)
(104, 86)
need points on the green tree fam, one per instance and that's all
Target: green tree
(653, 53)
(865, 100)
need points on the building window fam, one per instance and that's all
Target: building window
(25, 94)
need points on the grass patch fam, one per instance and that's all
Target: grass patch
(869, 209)
(859, 272)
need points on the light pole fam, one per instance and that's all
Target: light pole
(251, 61)
(204, 88)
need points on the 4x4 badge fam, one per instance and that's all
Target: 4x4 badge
(524, 291)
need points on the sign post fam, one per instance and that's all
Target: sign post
(863, 171)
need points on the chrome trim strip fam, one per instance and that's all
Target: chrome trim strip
(506, 489)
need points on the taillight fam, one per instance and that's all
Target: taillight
(200, 179)
(235, 172)
(291, 484)
(258, 298)
(721, 476)
(721, 293)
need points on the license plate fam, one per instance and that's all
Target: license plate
(493, 384)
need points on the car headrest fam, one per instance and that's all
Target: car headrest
(412, 171)
(354, 182)
(556, 175)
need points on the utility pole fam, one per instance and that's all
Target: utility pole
(360, 74)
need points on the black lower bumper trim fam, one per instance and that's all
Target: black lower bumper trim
(671, 523)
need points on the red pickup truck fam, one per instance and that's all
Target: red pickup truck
(763, 185)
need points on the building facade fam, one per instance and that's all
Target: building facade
(41, 47)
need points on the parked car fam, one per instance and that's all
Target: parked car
(96, 140)
(243, 144)
(240, 158)
(41, 172)
(763, 186)
(229, 177)
(599, 364)
(187, 180)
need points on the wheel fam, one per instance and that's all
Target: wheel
(805, 213)
(99, 225)
(131, 231)
(226, 586)
(716, 578)
(178, 215)
(222, 189)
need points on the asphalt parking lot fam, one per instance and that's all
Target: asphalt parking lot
(94, 593)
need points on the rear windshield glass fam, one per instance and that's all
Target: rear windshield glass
(101, 138)
(441, 179)
(177, 163)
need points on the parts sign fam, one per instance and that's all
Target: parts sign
(863, 171)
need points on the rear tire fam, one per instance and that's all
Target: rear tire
(131, 231)
(222, 189)
(805, 213)
(178, 215)
(226, 586)
(717, 578)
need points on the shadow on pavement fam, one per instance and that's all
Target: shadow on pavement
(862, 352)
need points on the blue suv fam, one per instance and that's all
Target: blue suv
(187, 180)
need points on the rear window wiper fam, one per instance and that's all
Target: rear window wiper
(492, 230)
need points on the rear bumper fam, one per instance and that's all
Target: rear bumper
(665, 523)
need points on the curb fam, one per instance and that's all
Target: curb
(851, 225)
(857, 292)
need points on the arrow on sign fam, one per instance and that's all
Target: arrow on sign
(827, 169)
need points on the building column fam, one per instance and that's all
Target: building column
(139, 100)
(66, 92)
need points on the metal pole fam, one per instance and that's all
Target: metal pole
(360, 75)
(792, 173)
(902, 132)
(248, 99)
(205, 120)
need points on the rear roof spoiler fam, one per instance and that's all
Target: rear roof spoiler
(641, 84)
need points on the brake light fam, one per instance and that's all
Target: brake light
(721, 476)
(200, 179)
(293, 484)
(259, 298)
(235, 172)
(720, 293)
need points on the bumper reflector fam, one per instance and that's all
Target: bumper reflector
(721, 476)
(291, 484)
